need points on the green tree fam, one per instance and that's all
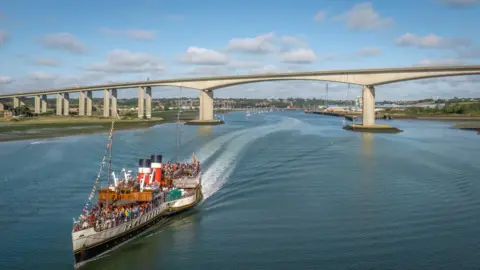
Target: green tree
(22, 110)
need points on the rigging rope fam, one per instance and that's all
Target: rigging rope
(95, 185)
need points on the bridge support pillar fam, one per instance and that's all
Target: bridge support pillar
(114, 103)
(16, 102)
(43, 102)
(206, 106)
(106, 103)
(368, 115)
(368, 93)
(66, 104)
(59, 104)
(89, 103)
(140, 103)
(148, 102)
(37, 104)
(81, 103)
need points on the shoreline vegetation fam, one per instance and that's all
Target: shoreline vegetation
(43, 127)
(464, 122)
(462, 115)
(48, 126)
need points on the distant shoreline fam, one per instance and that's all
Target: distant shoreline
(64, 126)
(47, 127)
(46, 131)
(463, 122)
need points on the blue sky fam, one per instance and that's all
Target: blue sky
(52, 43)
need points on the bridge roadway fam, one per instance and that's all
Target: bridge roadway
(368, 78)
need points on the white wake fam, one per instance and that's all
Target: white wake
(218, 172)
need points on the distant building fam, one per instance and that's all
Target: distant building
(7, 114)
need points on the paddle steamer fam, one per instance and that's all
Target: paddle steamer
(131, 204)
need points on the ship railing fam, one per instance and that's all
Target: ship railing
(114, 222)
(102, 224)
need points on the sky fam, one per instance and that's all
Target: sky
(55, 43)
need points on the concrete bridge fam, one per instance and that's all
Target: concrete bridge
(368, 78)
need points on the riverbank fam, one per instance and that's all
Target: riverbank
(464, 122)
(60, 126)
(473, 126)
(443, 117)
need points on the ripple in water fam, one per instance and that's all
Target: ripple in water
(283, 191)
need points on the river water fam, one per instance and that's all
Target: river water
(284, 190)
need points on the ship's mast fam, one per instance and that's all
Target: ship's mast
(110, 145)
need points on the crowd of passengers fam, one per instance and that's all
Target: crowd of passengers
(102, 217)
(186, 168)
(170, 170)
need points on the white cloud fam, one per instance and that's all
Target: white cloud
(299, 56)
(440, 62)
(260, 44)
(460, 3)
(41, 75)
(369, 51)
(6, 80)
(234, 67)
(40, 80)
(124, 61)
(208, 70)
(202, 56)
(265, 69)
(431, 41)
(46, 62)
(363, 17)
(4, 36)
(320, 16)
(136, 34)
(63, 41)
(443, 87)
(452, 81)
(298, 41)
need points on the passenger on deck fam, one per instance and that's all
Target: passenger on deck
(102, 216)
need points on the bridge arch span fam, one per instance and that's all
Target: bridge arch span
(355, 79)
(247, 81)
(185, 87)
(384, 79)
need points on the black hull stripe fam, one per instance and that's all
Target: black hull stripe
(97, 249)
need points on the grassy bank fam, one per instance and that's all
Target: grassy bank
(461, 121)
(474, 126)
(426, 116)
(59, 126)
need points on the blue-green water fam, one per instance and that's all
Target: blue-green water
(283, 190)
